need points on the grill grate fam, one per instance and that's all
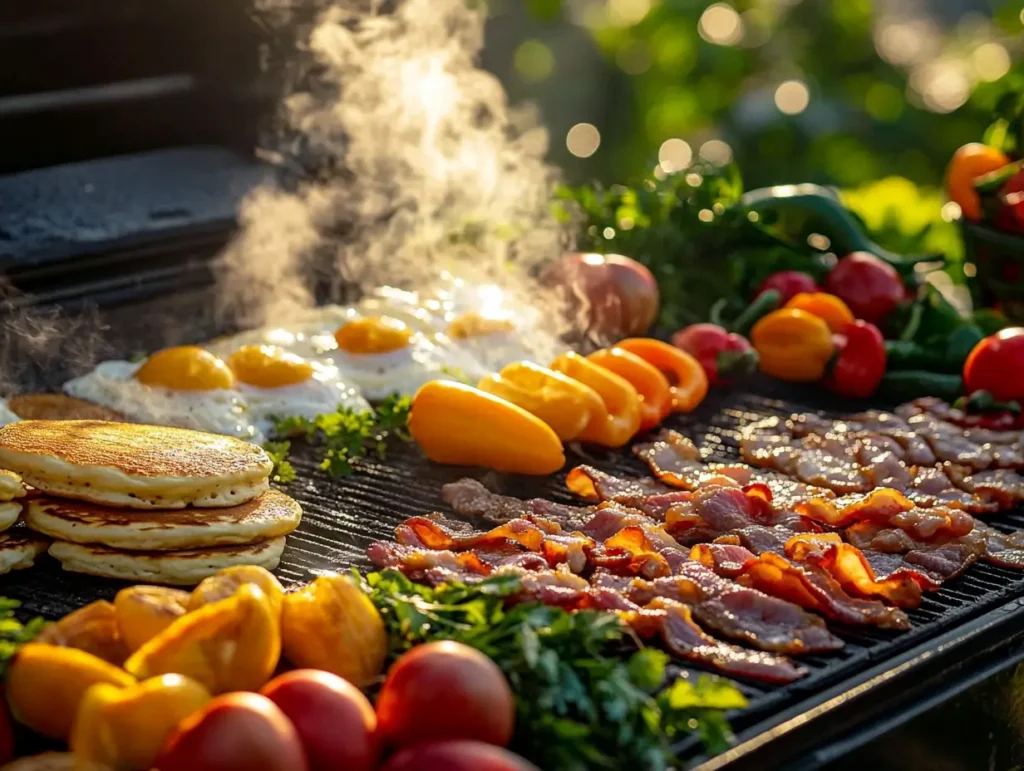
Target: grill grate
(343, 516)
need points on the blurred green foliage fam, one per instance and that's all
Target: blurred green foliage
(700, 70)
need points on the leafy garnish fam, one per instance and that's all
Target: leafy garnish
(456, 372)
(14, 634)
(346, 434)
(582, 700)
(284, 472)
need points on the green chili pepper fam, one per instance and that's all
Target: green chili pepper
(913, 323)
(983, 401)
(962, 342)
(715, 314)
(903, 355)
(910, 384)
(808, 208)
(763, 304)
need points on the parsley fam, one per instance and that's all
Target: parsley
(284, 472)
(14, 634)
(456, 372)
(580, 704)
(346, 434)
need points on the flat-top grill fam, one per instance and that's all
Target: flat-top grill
(970, 619)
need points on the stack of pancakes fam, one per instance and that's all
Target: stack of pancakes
(148, 503)
(19, 546)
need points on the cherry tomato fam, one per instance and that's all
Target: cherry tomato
(996, 365)
(725, 356)
(456, 756)
(968, 163)
(788, 283)
(870, 287)
(235, 732)
(445, 690)
(336, 723)
(614, 296)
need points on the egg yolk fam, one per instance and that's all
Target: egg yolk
(373, 334)
(185, 368)
(474, 325)
(267, 366)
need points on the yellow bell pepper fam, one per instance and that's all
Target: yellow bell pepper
(621, 400)
(461, 425)
(332, 625)
(229, 645)
(793, 345)
(653, 387)
(46, 684)
(124, 729)
(92, 628)
(565, 404)
(225, 583)
(825, 306)
(690, 381)
(143, 612)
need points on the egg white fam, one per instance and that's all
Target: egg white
(112, 384)
(325, 392)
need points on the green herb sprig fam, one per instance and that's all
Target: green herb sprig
(14, 634)
(582, 701)
(343, 435)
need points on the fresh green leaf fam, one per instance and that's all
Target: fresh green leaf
(283, 472)
(14, 634)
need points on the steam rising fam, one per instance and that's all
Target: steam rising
(427, 167)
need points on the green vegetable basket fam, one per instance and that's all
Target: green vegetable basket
(999, 258)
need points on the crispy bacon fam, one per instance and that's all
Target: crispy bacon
(681, 635)
(417, 562)
(648, 496)
(848, 565)
(677, 462)
(822, 461)
(806, 584)
(876, 506)
(470, 499)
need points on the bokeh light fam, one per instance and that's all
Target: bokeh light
(716, 151)
(628, 12)
(534, 61)
(720, 24)
(634, 59)
(674, 155)
(792, 97)
(991, 61)
(583, 140)
(943, 85)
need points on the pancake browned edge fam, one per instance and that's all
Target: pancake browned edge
(10, 486)
(133, 465)
(181, 568)
(59, 407)
(271, 515)
(19, 548)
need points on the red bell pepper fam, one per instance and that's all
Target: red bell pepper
(788, 283)
(996, 365)
(859, 363)
(725, 356)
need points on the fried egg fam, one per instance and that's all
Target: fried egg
(278, 384)
(184, 386)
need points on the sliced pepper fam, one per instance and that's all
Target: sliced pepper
(653, 387)
(143, 612)
(565, 404)
(621, 420)
(825, 306)
(461, 425)
(690, 382)
(124, 729)
(230, 645)
(793, 345)
(93, 629)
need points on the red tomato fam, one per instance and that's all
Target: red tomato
(788, 283)
(614, 296)
(996, 365)
(870, 287)
(234, 732)
(336, 723)
(456, 756)
(445, 690)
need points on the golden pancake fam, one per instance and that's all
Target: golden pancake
(59, 407)
(270, 515)
(181, 568)
(9, 513)
(137, 466)
(19, 549)
(10, 486)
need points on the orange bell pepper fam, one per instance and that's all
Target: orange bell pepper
(690, 381)
(124, 729)
(654, 389)
(565, 404)
(825, 306)
(793, 345)
(461, 425)
(621, 420)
